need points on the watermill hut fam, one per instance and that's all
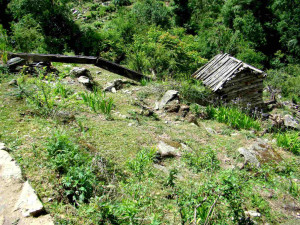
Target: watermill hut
(232, 79)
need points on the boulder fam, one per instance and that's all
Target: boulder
(173, 107)
(28, 202)
(169, 96)
(184, 110)
(249, 156)
(291, 122)
(259, 152)
(167, 151)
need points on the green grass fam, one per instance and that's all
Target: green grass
(233, 117)
(98, 101)
(289, 141)
(107, 174)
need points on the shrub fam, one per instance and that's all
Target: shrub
(152, 12)
(233, 117)
(166, 53)
(121, 2)
(287, 80)
(97, 101)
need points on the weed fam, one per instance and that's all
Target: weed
(289, 141)
(62, 90)
(171, 178)
(203, 160)
(63, 153)
(144, 81)
(233, 117)
(97, 101)
(140, 165)
(294, 189)
(79, 184)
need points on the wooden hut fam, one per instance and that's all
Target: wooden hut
(231, 79)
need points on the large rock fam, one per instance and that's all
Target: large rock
(259, 152)
(169, 96)
(167, 151)
(28, 202)
(291, 122)
(250, 156)
(9, 170)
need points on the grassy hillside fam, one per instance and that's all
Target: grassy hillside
(92, 156)
(94, 168)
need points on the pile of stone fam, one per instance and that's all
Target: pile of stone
(18, 64)
(170, 103)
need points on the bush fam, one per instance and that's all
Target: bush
(233, 117)
(152, 12)
(287, 80)
(167, 54)
(63, 153)
(121, 2)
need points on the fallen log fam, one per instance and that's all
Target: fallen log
(97, 61)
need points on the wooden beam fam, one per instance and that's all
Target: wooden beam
(99, 62)
(55, 58)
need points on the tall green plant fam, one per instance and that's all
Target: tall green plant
(98, 101)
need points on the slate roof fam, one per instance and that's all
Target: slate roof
(222, 68)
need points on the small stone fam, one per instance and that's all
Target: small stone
(28, 202)
(130, 124)
(113, 90)
(83, 80)
(252, 213)
(13, 82)
(15, 62)
(98, 72)
(210, 130)
(64, 116)
(114, 86)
